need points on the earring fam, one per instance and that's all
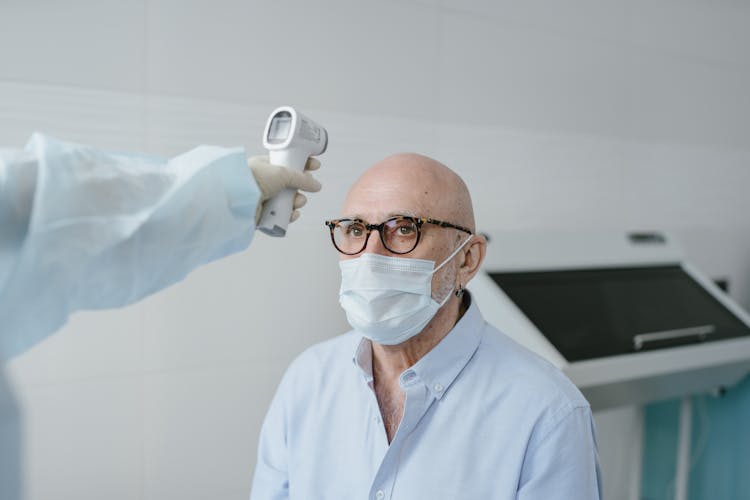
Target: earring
(460, 291)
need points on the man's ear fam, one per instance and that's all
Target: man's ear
(474, 255)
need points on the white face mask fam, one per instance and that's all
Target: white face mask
(389, 299)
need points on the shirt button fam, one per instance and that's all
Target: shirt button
(438, 388)
(380, 495)
(376, 420)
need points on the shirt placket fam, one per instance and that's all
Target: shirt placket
(416, 404)
(376, 430)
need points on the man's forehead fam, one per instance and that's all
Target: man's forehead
(376, 217)
(378, 210)
(405, 184)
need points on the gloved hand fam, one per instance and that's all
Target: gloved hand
(272, 179)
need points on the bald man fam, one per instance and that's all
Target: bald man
(422, 399)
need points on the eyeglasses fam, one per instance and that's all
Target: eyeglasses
(399, 234)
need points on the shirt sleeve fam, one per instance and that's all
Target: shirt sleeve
(271, 479)
(562, 460)
(100, 230)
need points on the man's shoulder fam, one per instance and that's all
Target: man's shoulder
(327, 356)
(521, 373)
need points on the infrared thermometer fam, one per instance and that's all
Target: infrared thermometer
(290, 138)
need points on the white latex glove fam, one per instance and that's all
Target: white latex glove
(272, 179)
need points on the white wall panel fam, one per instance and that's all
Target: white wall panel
(110, 119)
(684, 187)
(83, 439)
(587, 68)
(713, 31)
(355, 56)
(81, 43)
(501, 74)
(596, 20)
(195, 424)
(686, 101)
(695, 29)
(94, 344)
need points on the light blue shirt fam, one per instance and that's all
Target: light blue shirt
(483, 419)
(84, 229)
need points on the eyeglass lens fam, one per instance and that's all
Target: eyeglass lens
(399, 235)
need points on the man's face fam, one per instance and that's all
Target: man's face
(390, 192)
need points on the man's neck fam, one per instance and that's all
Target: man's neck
(388, 362)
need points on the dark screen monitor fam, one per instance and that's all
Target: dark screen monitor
(596, 313)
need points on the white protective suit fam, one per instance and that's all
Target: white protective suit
(84, 229)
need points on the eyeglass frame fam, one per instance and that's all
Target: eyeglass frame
(418, 221)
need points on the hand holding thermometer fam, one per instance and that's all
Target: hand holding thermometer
(291, 138)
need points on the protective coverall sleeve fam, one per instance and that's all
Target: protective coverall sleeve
(84, 229)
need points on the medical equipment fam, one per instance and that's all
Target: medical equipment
(291, 138)
(625, 317)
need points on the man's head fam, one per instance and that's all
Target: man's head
(414, 185)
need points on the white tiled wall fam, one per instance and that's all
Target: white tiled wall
(617, 114)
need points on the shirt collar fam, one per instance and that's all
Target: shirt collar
(363, 359)
(438, 368)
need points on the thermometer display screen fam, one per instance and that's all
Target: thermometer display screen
(280, 128)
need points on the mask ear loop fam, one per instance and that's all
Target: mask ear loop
(458, 249)
(460, 290)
